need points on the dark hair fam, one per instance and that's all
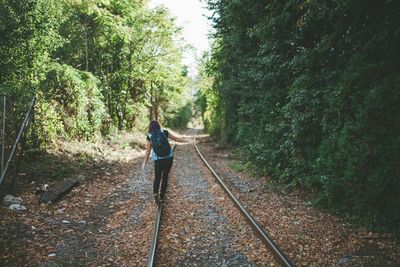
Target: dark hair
(154, 126)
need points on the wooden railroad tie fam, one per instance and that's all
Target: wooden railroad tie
(59, 190)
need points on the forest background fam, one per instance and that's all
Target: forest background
(306, 91)
(95, 66)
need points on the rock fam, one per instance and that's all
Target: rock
(17, 207)
(41, 190)
(9, 200)
(344, 260)
(81, 178)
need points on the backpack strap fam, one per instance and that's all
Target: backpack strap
(166, 133)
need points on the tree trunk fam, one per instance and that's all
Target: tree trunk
(156, 108)
(151, 117)
(86, 47)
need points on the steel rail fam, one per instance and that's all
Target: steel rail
(24, 125)
(264, 236)
(156, 229)
(153, 245)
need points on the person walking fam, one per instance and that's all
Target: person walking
(162, 154)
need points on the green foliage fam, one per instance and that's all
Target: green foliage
(207, 98)
(28, 33)
(96, 66)
(178, 105)
(70, 104)
(181, 118)
(308, 90)
(237, 166)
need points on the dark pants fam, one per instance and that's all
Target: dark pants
(162, 168)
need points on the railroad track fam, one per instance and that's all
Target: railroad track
(258, 229)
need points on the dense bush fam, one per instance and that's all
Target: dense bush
(181, 118)
(309, 91)
(70, 104)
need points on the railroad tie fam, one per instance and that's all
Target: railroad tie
(59, 190)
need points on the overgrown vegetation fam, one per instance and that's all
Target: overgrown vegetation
(96, 66)
(309, 90)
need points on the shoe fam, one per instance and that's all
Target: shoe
(156, 199)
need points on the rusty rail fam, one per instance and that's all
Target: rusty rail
(153, 246)
(263, 235)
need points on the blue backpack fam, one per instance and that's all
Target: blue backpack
(160, 144)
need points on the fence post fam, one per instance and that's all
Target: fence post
(24, 125)
(3, 134)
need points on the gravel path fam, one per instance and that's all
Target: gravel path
(117, 231)
(108, 220)
(197, 227)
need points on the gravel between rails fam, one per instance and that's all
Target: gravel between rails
(196, 230)
(200, 226)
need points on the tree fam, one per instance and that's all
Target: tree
(308, 90)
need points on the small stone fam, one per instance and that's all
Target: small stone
(345, 260)
(17, 207)
(60, 210)
(9, 199)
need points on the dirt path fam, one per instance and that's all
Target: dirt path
(105, 221)
(110, 228)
